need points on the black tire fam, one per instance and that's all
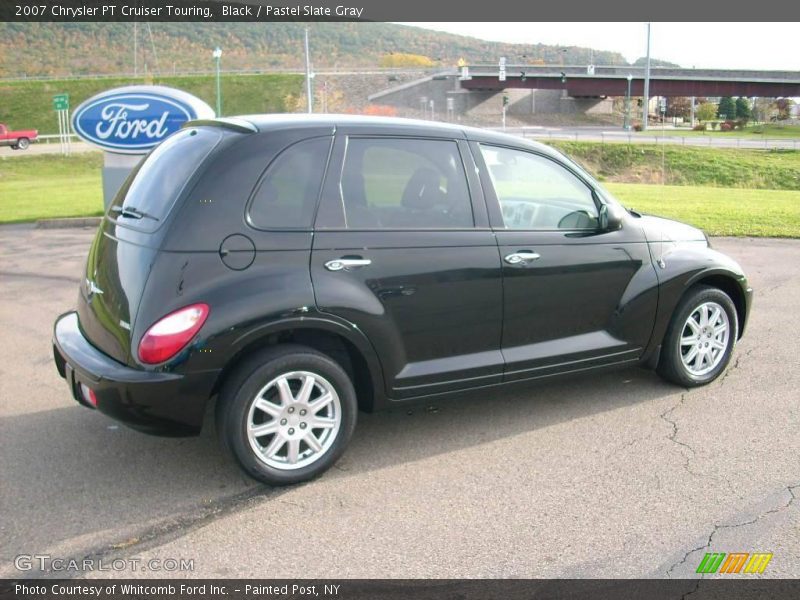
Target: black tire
(240, 391)
(23, 143)
(670, 365)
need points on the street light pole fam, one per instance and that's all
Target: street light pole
(646, 98)
(627, 124)
(308, 76)
(217, 54)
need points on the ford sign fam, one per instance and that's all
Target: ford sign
(134, 119)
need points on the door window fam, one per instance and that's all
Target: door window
(403, 183)
(537, 193)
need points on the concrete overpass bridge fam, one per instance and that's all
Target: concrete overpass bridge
(553, 89)
(582, 81)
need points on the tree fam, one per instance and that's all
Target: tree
(784, 107)
(726, 109)
(401, 59)
(706, 111)
(743, 111)
(679, 106)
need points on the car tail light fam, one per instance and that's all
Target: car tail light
(169, 335)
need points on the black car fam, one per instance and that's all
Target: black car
(300, 268)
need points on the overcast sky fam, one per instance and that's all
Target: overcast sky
(719, 45)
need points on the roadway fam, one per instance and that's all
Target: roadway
(610, 475)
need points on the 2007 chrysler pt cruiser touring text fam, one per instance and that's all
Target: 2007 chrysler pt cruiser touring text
(299, 268)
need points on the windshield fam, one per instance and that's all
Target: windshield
(150, 191)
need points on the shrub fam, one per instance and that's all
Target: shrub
(637, 127)
(379, 110)
(700, 127)
(714, 124)
(727, 126)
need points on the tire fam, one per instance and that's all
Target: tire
(289, 448)
(23, 143)
(696, 353)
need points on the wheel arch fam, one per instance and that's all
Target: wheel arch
(349, 348)
(728, 283)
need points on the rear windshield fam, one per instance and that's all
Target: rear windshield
(150, 191)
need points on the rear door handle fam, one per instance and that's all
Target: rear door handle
(347, 263)
(521, 257)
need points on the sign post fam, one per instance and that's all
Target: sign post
(61, 106)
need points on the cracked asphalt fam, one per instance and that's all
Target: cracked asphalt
(612, 475)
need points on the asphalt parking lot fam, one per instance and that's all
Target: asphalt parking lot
(614, 475)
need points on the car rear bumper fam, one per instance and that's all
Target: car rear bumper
(156, 402)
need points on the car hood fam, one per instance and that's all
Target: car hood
(660, 229)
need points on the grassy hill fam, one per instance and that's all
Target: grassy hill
(29, 103)
(69, 49)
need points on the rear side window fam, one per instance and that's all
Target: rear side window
(150, 192)
(286, 197)
(405, 183)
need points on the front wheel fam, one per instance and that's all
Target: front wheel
(287, 414)
(700, 338)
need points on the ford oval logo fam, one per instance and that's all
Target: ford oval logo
(134, 119)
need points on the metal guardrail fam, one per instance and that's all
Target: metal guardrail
(637, 138)
(609, 137)
(210, 73)
(55, 138)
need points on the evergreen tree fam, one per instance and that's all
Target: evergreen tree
(726, 109)
(743, 109)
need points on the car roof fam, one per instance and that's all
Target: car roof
(272, 122)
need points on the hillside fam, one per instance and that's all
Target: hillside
(29, 103)
(68, 49)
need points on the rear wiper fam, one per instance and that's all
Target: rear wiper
(132, 212)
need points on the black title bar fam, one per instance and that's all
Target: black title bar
(266, 11)
(732, 588)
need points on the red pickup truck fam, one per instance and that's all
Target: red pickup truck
(18, 140)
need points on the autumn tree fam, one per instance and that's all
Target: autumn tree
(402, 59)
(679, 106)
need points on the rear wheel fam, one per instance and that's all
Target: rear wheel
(700, 339)
(23, 143)
(287, 414)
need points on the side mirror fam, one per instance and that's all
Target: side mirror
(610, 218)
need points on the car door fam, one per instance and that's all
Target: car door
(403, 251)
(574, 295)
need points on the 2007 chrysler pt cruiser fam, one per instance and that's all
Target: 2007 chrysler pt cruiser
(300, 268)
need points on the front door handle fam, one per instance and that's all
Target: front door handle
(347, 263)
(522, 257)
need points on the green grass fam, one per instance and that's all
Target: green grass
(43, 187)
(683, 165)
(766, 131)
(29, 104)
(37, 187)
(718, 211)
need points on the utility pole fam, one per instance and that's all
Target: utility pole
(646, 99)
(308, 77)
